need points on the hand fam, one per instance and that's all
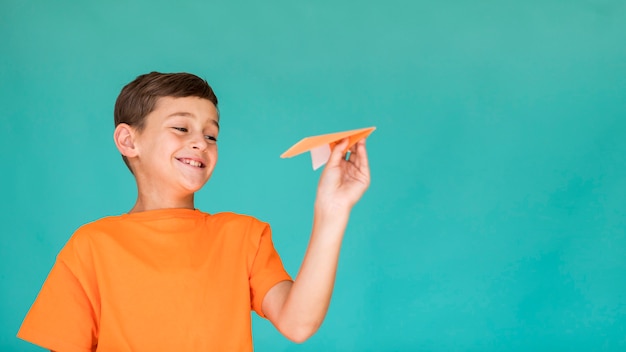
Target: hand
(343, 182)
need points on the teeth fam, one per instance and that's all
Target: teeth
(192, 162)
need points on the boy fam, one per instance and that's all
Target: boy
(168, 277)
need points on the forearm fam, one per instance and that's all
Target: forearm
(307, 300)
(297, 309)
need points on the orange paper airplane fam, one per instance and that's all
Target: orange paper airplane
(320, 146)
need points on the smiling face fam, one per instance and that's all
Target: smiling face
(176, 150)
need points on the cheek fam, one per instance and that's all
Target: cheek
(212, 156)
(169, 143)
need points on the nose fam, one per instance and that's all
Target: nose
(198, 142)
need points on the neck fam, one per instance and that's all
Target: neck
(154, 201)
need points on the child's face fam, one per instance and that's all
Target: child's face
(177, 149)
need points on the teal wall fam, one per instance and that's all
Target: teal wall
(497, 212)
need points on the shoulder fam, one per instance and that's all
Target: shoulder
(84, 237)
(97, 227)
(235, 219)
(239, 226)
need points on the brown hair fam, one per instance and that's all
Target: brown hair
(139, 97)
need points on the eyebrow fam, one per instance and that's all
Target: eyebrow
(187, 114)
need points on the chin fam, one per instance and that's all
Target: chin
(193, 188)
(194, 183)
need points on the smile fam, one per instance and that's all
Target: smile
(191, 162)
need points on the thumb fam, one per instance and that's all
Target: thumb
(338, 152)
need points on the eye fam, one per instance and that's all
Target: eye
(211, 138)
(181, 129)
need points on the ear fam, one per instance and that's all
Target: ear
(124, 137)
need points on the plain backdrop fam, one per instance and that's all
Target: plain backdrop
(496, 216)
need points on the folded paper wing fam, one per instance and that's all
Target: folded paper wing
(321, 146)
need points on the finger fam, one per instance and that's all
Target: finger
(361, 161)
(338, 152)
(353, 153)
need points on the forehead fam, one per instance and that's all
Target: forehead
(192, 107)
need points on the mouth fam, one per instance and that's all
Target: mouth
(192, 162)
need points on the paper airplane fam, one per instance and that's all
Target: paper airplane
(321, 146)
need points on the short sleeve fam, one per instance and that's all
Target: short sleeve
(62, 318)
(267, 270)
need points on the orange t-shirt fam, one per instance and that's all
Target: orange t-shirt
(161, 280)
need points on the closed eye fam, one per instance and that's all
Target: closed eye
(211, 138)
(181, 129)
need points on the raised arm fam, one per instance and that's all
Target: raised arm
(297, 309)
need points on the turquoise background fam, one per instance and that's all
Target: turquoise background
(497, 212)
